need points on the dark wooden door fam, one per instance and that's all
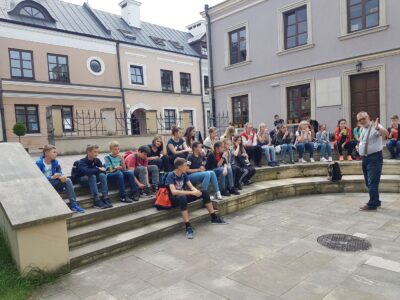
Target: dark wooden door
(364, 95)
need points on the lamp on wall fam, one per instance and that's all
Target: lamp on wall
(359, 66)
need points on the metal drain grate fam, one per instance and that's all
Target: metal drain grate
(344, 242)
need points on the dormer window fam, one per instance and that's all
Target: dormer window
(31, 9)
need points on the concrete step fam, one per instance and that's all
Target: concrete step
(120, 242)
(93, 232)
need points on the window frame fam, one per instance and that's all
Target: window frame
(171, 73)
(141, 68)
(299, 86)
(296, 24)
(72, 118)
(241, 106)
(57, 59)
(21, 64)
(26, 123)
(190, 82)
(363, 16)
(230, 34)
(206, 87)
(169, 119)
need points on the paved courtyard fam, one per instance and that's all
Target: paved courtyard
(267, 252)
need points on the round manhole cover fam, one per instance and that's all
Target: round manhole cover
(344, 242)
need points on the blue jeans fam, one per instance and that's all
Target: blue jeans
(67, 185)
(269, 152)
(205, 178)
(372, 168)
(286, 148)
(119, 178)
(218, 173)
(91, 182)
(325, 147)
(394, 148)
(301, 147)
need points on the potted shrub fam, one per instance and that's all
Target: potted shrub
(19, 130)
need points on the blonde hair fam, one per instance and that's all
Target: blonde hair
(48, 148)
(229, 132)
(114, 144)
(302, 123)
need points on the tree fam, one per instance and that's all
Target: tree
(19, 130)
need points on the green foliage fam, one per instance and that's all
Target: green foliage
(19, 130)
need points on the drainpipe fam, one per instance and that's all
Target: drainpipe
(210, 61)
(121, 86)
(3, 121)
(202, 96)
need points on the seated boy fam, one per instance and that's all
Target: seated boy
(117, 172)
(182, 192)
(139, 164)
(91, 171)
(197, 172)
(53, 172)
(216, 162)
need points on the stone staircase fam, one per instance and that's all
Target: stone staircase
(100, 233)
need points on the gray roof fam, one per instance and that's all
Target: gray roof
(84, 20)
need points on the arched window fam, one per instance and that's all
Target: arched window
(29, 11)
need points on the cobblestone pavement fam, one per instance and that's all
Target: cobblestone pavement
(267, 252)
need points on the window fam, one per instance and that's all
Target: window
(190, 117)
(136, 75)
(298, 103)
(29, 11)
(206, 85)
(237, 46)
(296, 27)
(169, 118)
(362, 14)
(209, 121)
(33, 10)
(240, 110)
(58, 67)
(21, 64)
(204, 50)
(167, 81)
(67, 117)
(28, 115)
(186, 84)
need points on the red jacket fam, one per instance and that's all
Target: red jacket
(246, 139)
(338, 136)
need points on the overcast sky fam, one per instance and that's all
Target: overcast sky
(171, 13)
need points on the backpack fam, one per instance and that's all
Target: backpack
(334, 172)
(74, 172)
(162, 196)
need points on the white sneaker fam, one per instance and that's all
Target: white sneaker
(312, 160)
(329, 159)
(302, 161)
(218, 195)
(212, 198)
(323, 159)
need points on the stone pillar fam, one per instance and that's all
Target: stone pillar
(33, 216)
(185, 121)
(57, 120)
(151, 121)
(109, 121)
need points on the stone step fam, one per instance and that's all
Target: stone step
(93, 232)
(120, 242)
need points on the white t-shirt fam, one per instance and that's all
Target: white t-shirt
(47, 170)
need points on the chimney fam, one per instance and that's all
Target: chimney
(130, 11)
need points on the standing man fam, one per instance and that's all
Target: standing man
(370, 149)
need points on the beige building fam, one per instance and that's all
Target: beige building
(71, 71)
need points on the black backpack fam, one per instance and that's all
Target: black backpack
(74, 172)
(334, 172)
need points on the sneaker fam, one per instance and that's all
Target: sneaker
(349, 158)
(234, 191)
(125, 199)
(148, 191)
(218, 196)
(302, 161)
(282, 162)
(212, 198)
(189, 232)
(226, 193)
(135, 196)
(107, 202)
(330, 159)
(218, 221)
(145, 193)
(99, 204)
(76, 208)
(154, 189)
(248, 182)
(323, 159)
(312, 160)
(240, 186)
(292, 162)
(341, 158)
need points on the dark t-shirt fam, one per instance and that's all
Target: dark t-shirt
(178, 181)
(155, 153)
(195, 162)
(177, 145)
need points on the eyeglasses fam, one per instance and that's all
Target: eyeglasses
(361, 120)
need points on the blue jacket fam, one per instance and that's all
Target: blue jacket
(55, 167)
(89, 167)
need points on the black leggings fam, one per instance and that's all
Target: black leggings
(246, 173)
(350, 146)
(162, 163)
(255, 153)
(182, 201)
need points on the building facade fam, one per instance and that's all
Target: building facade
(69, 70)
(325, 59)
